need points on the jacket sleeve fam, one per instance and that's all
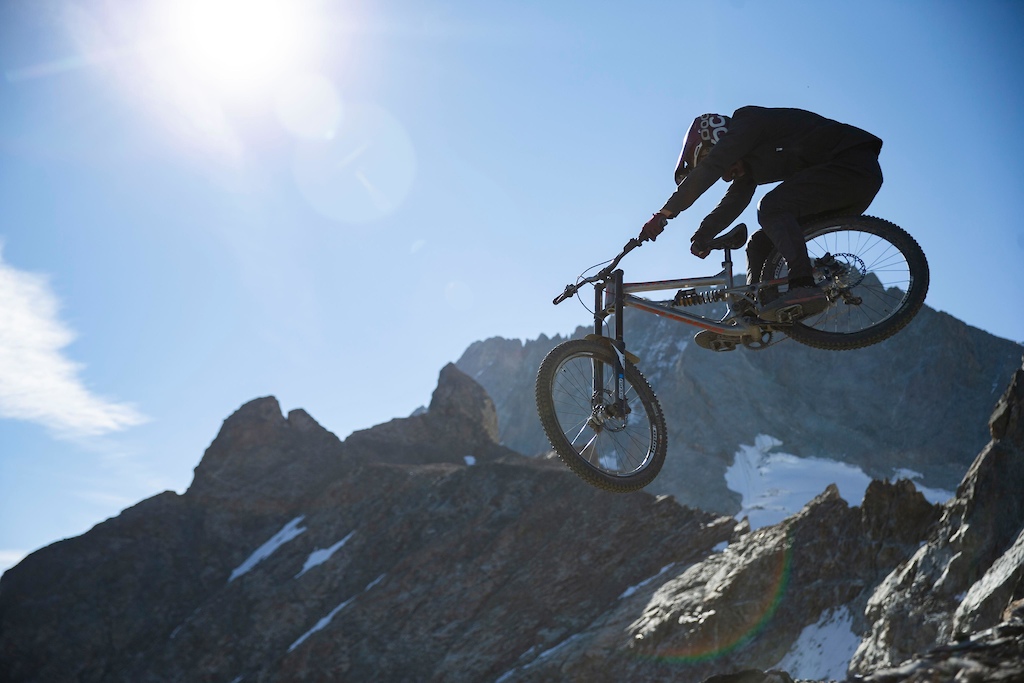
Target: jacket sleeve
(693, 186)
(736, 199)
(744, 134)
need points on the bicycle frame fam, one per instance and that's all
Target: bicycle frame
(602, 415)
(612, 296)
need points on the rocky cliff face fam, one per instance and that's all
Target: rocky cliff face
(747, 605)
(970, 574)
(422, 550)
(918, 401)
(418, 550)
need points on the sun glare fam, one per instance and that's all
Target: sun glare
(236, 43)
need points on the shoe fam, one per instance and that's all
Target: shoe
(796, 304)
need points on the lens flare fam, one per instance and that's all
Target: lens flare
(309, 107)
(362, 172)
(718, 632)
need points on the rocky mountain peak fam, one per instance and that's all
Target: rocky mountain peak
(458, 399)
(423, 550)
(917, 403)
(460, 423)
(295, 557)
(260, 451)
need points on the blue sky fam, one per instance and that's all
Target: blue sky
(189, 223)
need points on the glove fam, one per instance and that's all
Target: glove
(698, 247)
(653, 227)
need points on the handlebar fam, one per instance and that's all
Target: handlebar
(570, 290)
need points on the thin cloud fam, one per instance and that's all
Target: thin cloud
(38, 383)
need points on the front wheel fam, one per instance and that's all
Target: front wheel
(610, 448)
(875, 276)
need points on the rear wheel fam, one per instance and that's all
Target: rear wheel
(875, 276)
(606, 448)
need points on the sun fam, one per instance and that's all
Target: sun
(236, 44)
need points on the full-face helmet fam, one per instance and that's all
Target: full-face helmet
(706, 130)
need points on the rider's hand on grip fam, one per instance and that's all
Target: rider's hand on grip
(653, 227)
(699, 249)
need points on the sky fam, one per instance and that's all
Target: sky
(202, 203)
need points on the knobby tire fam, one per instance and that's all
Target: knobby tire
(894, 281)
(612, 454)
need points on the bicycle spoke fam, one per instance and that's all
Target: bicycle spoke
(881, 261)
(619, 446)
(875, 275)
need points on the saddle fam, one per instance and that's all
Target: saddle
(734, 239)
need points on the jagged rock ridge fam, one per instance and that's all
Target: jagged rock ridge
(969, 576)
(294, 556)
(297, 557)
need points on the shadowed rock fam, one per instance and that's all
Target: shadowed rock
(423, 550)
(970, 570)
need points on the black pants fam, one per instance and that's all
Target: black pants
(845, 184)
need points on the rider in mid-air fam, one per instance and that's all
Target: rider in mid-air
(825, 167)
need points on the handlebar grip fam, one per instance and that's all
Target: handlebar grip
(570, 290)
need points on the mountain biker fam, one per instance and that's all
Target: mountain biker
(825, 167)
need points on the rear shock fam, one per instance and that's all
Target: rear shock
(691, 297)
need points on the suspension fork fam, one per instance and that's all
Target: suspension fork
(618, 344)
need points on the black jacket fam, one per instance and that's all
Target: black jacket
(774, 144)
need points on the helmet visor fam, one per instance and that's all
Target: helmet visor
(692, 145)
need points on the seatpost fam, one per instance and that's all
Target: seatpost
(727, 266)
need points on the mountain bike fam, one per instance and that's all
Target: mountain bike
(599, 412)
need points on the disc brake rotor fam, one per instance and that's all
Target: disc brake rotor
(842, 271)
(605, 416)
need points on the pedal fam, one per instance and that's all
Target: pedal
(715, 342)
(790, 314)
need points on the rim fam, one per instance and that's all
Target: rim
(615, 446)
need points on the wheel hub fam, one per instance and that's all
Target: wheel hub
(606, 415)
(843, 271)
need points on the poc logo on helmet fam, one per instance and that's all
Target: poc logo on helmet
(712, 127)
(705, 131)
